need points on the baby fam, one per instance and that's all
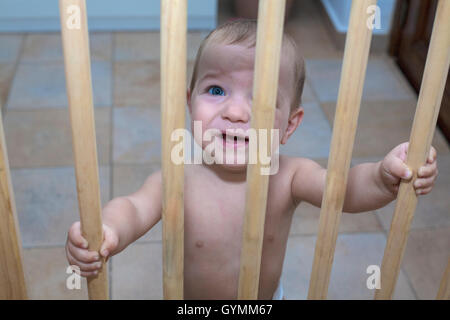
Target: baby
(220, 96)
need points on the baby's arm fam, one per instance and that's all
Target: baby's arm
(369, 186)
(308, 181)
(373, 185)
(364, 188)
(125, 219)
(133, 215)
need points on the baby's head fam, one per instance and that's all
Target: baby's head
(243, 32)
(220, 91)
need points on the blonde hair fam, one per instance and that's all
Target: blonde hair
(243, 31)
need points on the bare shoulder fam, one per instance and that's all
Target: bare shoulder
(288, 166)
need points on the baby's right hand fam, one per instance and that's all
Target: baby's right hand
(88, 261)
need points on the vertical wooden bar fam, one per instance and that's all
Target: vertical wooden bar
(444, 289)
(356, 54)
(12, 279)
(428, 105)
(75, 41)
(265, 86)
(173, 104)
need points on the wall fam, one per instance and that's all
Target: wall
(43, 15)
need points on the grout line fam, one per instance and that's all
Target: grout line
(301, 235)
(14, 72)
(58, 108)
(408, 280)
(43, 246)
(67, 166)
(101, 165)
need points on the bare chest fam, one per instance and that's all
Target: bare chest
(213, 216)
(215, 212)
(213, 224)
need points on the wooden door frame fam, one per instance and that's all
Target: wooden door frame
(400, 28)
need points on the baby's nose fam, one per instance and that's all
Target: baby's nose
(237, 112)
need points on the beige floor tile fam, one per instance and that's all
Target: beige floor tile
(145, 46)
(10, 46)
(313, 40)
(48, 47)
(432, 209)
(306, 221)
(128, 179)
(43, 85)
(353, 254)
(101, 45)
(46, 276)
(6, 77)
(137, 84)
(137, 46)
(155, 233)
(137, 135)
(137, 272)
(312, 137)
(47, 203)
(382, 125)
(308, 93)
(44, 138)
(305, 24)
(307, 27)
(425, 259)
(382, 83)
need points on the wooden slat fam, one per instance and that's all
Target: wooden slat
(79, 90)
(444, 288)
(173, 104)
(12, 280)
(346, 119)
(267, 64)
(430, 97)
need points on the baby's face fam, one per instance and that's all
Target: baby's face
(222, 97)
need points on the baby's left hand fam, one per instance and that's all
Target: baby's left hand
(393, 168)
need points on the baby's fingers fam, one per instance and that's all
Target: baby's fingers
(75, 236)
(88, 274)
(423, 191)
(82, 255)
(432, 156)
(428, 170)
(424, 183)
(84, 267)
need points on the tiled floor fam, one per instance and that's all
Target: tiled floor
(125, 69)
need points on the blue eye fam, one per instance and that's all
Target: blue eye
(216, 91)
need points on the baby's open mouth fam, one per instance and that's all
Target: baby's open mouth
(234, 140)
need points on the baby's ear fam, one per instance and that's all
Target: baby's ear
(295, 118)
